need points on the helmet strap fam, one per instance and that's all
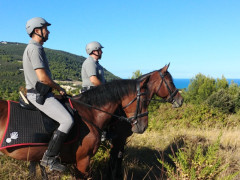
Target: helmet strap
(95, 54)
(41, 36)
(99, 56)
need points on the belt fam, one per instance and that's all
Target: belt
(87, 88)
(32, 90)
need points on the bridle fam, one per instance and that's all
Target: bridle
(137, 114)
(172, 94)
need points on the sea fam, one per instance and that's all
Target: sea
(183, 83)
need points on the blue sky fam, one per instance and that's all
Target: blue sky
(195, 36)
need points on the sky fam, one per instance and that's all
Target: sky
(194, 36)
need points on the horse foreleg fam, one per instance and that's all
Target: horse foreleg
(82, 168)
(115, 166)
(43, 172)
(32, 169)
(115, 161)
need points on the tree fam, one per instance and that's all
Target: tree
(199, 89)
(136, 74)
(222, 100)
(221, 83)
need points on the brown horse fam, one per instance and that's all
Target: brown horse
(96, 108)
(160, 84)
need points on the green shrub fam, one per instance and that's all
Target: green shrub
(189, 115)
(221, 83)
(155, 104)
(201, 87)
(196, 162)
(222, 100)
(234, 91)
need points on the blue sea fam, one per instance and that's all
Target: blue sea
(183, 83)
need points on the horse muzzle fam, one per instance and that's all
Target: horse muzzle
(177, 102)
(140, 125)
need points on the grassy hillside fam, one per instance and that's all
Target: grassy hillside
(64, 66)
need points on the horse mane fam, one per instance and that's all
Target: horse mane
(112, 91)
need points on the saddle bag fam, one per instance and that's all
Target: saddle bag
(42, 91)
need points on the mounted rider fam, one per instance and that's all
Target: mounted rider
(92, 72)
(39, 85)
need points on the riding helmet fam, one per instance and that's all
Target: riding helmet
(93, 46)
(36, 22)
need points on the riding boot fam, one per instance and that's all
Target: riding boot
(50, 157)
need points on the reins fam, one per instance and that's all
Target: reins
(90, 106)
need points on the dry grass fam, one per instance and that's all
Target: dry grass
(161, 141)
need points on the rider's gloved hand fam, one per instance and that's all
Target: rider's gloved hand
(62, 91)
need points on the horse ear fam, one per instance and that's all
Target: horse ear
(165, 68)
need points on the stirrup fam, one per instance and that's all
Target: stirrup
(53, 163)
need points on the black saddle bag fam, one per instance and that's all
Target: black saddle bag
(42, 91)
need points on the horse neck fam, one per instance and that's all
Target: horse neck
(103, 118)
(98, 116)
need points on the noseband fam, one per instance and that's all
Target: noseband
(172, 94)
(134, 119)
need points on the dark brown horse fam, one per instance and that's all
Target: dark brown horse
(160, 84)
(96, 108)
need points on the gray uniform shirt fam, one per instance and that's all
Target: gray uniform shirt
(91, 67)
(34, 57)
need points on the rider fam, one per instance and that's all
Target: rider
(39, 86)
(92, 71)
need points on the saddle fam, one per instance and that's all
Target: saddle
(26, 125)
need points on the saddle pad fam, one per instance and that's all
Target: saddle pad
(24, 127)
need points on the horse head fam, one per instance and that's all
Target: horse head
(165, 87)
(135, 107)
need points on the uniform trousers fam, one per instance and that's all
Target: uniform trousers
(55, 110)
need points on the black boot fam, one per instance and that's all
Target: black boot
(50, 157)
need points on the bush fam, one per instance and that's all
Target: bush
(201, 87)
(222, 100)
(196, 162)
(215, 93)
(187, 116)
(234, 91)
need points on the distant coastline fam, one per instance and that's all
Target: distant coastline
(183, 83)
